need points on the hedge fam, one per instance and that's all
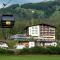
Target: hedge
(6, 52)
(33, 50)
(40, 50)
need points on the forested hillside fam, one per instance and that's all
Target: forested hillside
(44, 12)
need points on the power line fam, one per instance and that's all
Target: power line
(6, 3)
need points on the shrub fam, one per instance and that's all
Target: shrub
(53, 50)
(40, 50)
(33, 50)
(24, 51)
(37, 50)
(11, 43)
(6, 52)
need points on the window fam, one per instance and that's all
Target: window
(34, 31)
(52, 33)
(44, 28)
(32, 27)
(36, 27)
(41, 33)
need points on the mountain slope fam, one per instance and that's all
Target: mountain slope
(44, 12)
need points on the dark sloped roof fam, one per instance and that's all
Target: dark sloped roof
(42, 24)
(48, 25)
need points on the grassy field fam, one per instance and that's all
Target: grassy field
(31, 57)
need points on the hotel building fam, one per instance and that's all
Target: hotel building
(43, 33)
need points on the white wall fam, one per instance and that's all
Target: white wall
(34, 30)
(31, 44)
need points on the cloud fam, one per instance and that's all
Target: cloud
(1, 5)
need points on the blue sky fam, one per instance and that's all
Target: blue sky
(18, 2)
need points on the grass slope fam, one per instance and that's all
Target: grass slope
(31, 57)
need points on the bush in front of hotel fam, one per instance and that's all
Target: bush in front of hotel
(40, 50)
(53, 50)
(34, 50)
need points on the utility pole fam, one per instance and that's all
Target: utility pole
(32, 21)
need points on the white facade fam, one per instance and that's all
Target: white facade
(41, 32)
(34, 31)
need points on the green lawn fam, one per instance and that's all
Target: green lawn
(31, 57)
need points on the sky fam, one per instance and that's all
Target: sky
(18, 2)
